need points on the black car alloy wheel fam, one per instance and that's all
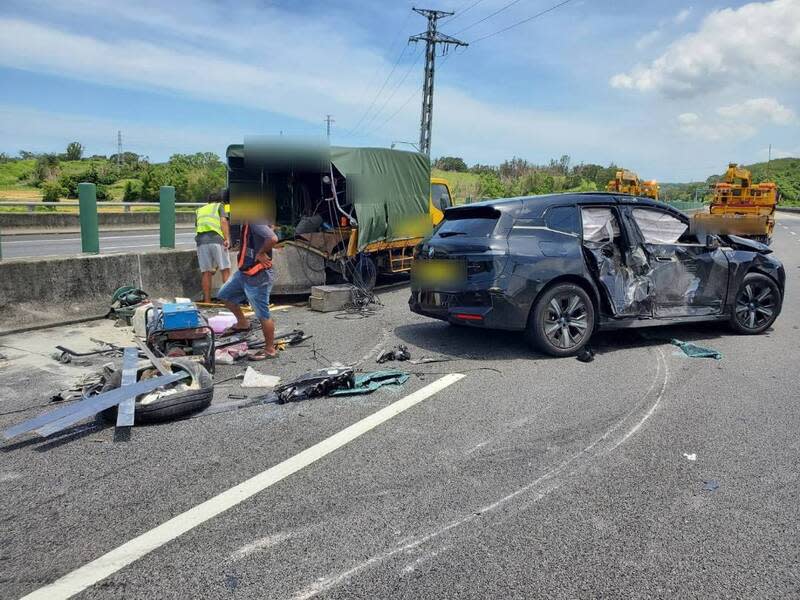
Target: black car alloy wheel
(565, 322)
(562, 320)
(757, 304)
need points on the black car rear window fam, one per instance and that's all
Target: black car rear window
(478, 222)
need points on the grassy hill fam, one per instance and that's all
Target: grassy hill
(53, 178)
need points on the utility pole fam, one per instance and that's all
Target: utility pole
(328, 122)
(431, 37)
(119, 148)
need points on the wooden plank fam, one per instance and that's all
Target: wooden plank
(105, 400)
(127, 407)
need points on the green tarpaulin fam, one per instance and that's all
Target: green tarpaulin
(389, 189)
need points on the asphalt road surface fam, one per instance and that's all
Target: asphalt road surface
(643, 474)
(66, 244)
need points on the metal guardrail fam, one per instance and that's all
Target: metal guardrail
(31, 206)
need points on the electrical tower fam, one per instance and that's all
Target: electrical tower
(119, 148)
(431, 37)
(328, 122)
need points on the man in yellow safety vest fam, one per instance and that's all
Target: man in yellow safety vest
(212, 238)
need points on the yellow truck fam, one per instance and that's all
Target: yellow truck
(344, 212)
(628, 182)
(740, 207)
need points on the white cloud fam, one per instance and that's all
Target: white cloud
(760, 110)
(758, 41)
(736, 121)
(682, 16)
(648, 39)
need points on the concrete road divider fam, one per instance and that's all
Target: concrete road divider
(44, 292)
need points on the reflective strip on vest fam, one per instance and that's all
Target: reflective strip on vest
(208, 219)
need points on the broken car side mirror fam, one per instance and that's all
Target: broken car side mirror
(712, 242)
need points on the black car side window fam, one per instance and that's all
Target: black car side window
(563, 218)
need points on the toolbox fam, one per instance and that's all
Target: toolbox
(180, 316)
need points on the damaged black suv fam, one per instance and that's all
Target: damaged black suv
(562, 266)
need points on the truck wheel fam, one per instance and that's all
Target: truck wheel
(562, 320)
(363, 272)
(757, 304)
(171, 406)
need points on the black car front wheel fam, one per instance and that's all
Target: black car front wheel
(757, 304)
(562, 320)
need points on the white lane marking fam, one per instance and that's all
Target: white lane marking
(108, 564)
(541, 486)
(793, 233)
(57, 240)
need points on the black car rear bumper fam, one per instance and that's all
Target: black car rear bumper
(474, 309)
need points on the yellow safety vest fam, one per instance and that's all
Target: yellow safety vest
(208, 219)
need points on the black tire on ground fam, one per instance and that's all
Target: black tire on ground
(757, 304)
(562, 320)
(172, 406)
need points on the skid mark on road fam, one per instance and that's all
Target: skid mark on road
(263, 543)
(539, 488)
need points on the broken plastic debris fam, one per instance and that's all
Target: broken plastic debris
(397, 353)
(254, 379)
(710, 485)
(586, 355)
(695, 351)
(369, 382)
(691, 457)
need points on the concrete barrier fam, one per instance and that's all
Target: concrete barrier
(42, 292)
(788, 209)
(21, 223)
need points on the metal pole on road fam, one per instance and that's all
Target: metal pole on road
(87, 208)
(167, 216)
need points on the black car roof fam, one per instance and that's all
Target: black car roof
(580, 198)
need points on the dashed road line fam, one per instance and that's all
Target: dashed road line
(108, 564)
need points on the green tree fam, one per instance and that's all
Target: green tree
(74, 151)
(130, 192)
(450, 163)
(52, 191)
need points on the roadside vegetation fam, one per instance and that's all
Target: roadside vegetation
(129, 177)
(132, 178)
(518, 177)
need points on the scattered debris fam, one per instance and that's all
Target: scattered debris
(695, 351)
(64, 416)
(64, 355)
(692, 457)
(430, 359)
(315, 384)
(710, 485)
(330, 298)
(254, 379)
(124, 302)
(369, 382)
(398, 353)
(229, 354)
(586, 355)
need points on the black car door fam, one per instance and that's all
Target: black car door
(689, 278)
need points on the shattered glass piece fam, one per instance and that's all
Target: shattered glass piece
(695, 351)
(710, 485)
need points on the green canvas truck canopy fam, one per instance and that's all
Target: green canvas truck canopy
(389, 189)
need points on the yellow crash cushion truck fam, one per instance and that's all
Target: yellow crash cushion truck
(341, 213)
(628, 182)
(740, 207)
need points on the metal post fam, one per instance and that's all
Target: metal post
(431, 37)
(87, 212)
(166, 216)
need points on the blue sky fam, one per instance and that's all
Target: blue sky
(673, 90)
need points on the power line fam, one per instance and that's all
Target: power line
(522, 22)
(463, 12)
(487, 17)
(378, 93)
(393, 92)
